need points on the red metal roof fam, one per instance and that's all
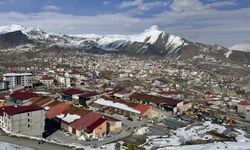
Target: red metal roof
(2, 98)
(88, 94)
(12, 110)
(171, 93)
(171, 101)
(244, 103)
(24, 95)
(72, 91)
(85, 121)
(110, 118)
(142, 108)
(56, 110)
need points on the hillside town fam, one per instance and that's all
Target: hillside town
(97, 100)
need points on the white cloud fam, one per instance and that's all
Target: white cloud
(141, 5)
(187, 6)
(51, 8)
(130, 3)
(5, 1)
(223, 3)
(105, 2)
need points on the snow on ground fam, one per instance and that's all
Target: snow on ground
(141, 131)
(191, 133)
(241, 136)
(8, 146)
(212, 146)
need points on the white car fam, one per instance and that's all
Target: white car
(67, 134)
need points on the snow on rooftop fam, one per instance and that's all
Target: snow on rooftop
(71, 118)
(104, 102)
(60, 116)
(46, 107)
(17, 74)
(42, 93)
(118, 95)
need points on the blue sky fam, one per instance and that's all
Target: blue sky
(226, 22)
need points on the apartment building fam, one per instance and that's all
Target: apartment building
(15, 79)
(28, 120)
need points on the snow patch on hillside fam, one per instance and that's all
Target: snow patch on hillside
(191, 133)
(228, 53)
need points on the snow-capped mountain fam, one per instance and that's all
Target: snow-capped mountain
(11, 28)
(151, 42)
(241, 47)
(151, 36)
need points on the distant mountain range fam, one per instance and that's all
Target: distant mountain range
(152, 42)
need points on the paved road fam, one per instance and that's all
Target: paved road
(30, 143)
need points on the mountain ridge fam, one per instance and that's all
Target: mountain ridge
(151, 42)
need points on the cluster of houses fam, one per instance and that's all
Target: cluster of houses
(84, 113)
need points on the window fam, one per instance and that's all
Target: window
(28, 114)
(28, 120)
(28, 126)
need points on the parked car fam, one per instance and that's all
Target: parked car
(67, 134)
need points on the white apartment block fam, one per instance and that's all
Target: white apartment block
(16, 79)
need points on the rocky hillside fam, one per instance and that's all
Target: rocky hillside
(152, 42)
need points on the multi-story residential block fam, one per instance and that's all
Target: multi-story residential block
(28, 120)
(48, 81)
(15, 79)
(3, 85)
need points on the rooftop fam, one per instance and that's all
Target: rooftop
(23, 95)
(142, 108)
(13, 110)
(17, 74)
(56, 110)
(86, 121)
(72, 91)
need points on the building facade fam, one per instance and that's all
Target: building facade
(28, 120)
(15, 79)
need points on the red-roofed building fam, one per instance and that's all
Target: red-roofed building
(113, 125)
(243, 106)
(85, 98)
(92, 125)
(146, 111)
(28, 120)
(70, 93)
(172, 94)
(22, 97)
(56, 110)
(47, 80)
(2, 101)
